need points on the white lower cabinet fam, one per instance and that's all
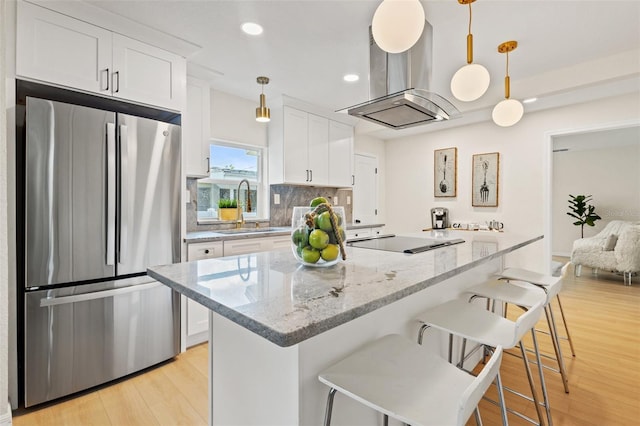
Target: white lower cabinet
(364, 232)
(197, 315)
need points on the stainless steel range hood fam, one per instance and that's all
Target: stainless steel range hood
(399, 87)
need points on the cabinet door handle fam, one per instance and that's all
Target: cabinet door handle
(311, 174)
(353, 179)
(117, 85)
(206, 251)
(307, 175)
(208, 166)
(107, 72)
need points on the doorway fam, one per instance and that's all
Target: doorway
(566, 141)
(365, 189)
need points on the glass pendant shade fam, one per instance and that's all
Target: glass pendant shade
(470, 82)
(397, 24)
(507, 112)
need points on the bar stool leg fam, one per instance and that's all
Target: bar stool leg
(566, 327)
(476, 413)
(553, 331)
(503, 404)
(543, 385)
(327, 413)
(534, 393)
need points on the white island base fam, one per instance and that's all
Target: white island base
(256, 382)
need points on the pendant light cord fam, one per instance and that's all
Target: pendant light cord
(470, 18)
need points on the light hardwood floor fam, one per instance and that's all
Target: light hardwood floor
(604, 377)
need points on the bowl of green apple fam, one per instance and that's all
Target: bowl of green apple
(318, 236)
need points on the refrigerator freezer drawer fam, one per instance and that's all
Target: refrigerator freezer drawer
(80, 337)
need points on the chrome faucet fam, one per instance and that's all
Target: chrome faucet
(240, 222)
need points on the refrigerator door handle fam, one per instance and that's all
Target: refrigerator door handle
(111, 195)
(54, 301)
(123, 200)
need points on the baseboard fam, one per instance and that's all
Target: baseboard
(561, 254)
(5, 419)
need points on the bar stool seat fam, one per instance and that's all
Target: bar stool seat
(471, 321)
(405, 381)
(552, 286)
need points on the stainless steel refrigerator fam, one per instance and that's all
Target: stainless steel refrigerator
(101, 201)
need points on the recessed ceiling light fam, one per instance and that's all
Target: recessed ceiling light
(251, 28)
(530, 100)
(351, 77)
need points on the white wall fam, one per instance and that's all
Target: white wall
(234, 119)
(365, 144)
(611, 175)
(523, 169)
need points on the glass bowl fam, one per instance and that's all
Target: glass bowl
(316, 245)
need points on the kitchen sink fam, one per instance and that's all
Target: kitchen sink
(252, 230)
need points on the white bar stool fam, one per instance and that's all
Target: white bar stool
(551, 285)
(471, 321)
(525, 294)
(405, 381)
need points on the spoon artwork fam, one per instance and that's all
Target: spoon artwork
(443, 183)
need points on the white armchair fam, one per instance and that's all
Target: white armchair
(615, 248)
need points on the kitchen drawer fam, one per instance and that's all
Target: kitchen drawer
(255, 245)
(358, 233)
(198, 251)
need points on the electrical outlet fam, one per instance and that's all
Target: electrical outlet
(276, 198)
(335, 201)
(348, 200)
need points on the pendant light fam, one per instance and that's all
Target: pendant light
(263, 114)
(397, 24)
(509, 111)
(472, 80)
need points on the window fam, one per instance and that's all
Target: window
(229, 165)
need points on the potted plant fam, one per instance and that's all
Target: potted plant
(583, 211)
(227, 209)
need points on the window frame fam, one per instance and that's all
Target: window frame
(259, 184)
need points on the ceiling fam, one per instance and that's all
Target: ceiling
(308, 45)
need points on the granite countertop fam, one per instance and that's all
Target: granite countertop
(233, 234)
(275, 297)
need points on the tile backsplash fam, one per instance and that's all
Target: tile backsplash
(298, 195)
(280, 214)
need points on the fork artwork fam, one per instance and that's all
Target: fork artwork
(484, 189)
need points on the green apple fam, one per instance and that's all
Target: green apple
(310, 255)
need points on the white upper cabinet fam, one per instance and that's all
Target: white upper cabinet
(59, 49)
(295, 136)
(147, 74)
(318, 143)
(309, 149)
(195, 128)
(340, 154)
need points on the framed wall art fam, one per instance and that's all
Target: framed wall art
(485, 172)
(445, 172)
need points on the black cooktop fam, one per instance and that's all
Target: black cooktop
(403, 244)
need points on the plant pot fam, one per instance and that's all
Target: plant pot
(228, 214)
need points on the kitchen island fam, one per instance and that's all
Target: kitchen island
(275, 324)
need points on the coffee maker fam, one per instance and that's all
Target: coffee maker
(439, 218)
